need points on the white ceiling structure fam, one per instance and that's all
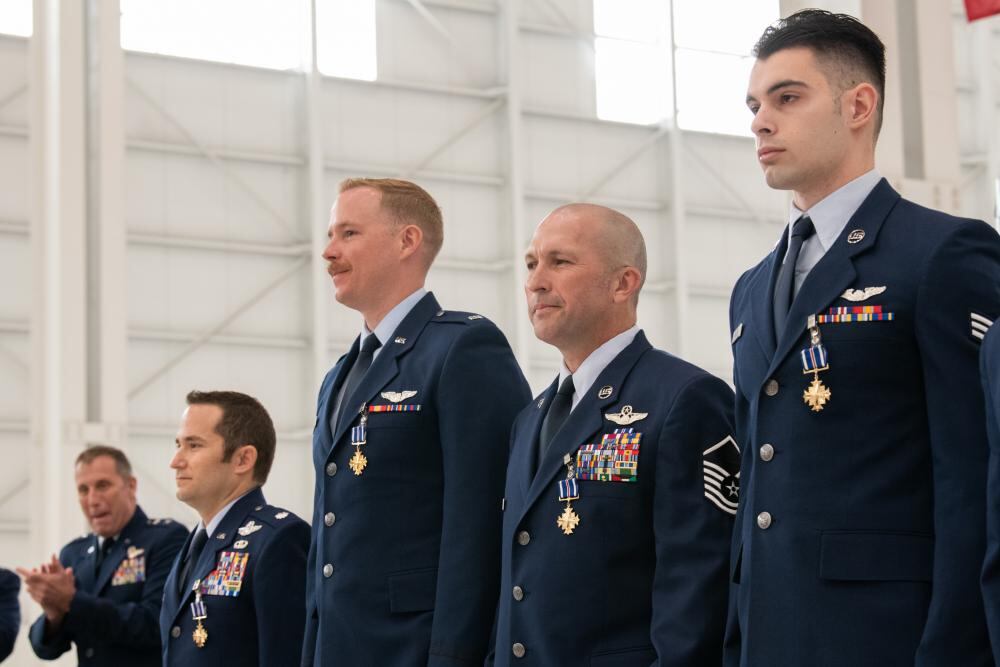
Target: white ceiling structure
(162, 218)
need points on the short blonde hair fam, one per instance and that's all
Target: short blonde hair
(406, 202)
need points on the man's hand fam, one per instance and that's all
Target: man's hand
(52, 586)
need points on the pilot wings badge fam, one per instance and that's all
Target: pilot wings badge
(857, 295)
(397, 396)
(249, 528)
(626, 416)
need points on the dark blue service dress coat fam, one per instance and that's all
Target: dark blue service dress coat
(251, 576)
(113, 616)
(404, 561)
(642, 578)
(990, 371)
(10, 611)
(860, 533)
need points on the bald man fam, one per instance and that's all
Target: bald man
(622, 482)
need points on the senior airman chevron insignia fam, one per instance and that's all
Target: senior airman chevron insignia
(722, 474)
(980, 325)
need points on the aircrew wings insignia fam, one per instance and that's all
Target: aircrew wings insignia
(626, 416)
(856, 295)
(721, 472)
(397, 396)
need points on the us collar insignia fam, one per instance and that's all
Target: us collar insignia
(856, 236)
(626, 416)
(133, 552)
(397, 396)
(400, 340)
(605, 391)
(856, 295)
(249, 528)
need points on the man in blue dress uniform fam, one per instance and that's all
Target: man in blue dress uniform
(103, 593)
(990, 371)
(10, 612)
(623, 476)
(860, 531)
(409, 447)
(235, 594)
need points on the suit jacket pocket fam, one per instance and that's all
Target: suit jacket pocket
(626, 657)
(876, 556)
(413, 590)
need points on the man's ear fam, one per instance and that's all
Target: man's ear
(245, 458)
(411, 240)
(861, 105)
(627, 282)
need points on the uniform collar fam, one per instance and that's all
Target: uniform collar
(221, 514)
(830, 214)
(393, 318)
(597, 361)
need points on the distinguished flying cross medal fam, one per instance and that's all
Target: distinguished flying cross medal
(358, 462)
(568, 492)
(198, 613)
(814, 360)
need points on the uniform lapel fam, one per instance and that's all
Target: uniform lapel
(118, 551)
(224, 535)
(526, 441)
(329, 400)
(587, 417)
(835, 272)
(86, 573)
(386, 365)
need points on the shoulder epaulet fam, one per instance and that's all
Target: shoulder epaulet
(458, 316)
(81, 538)
(271, 515)
(166, 521)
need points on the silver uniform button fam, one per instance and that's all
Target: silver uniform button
(523, 538)
(518, 650)
(518, 593)
(764, 520)
(766, 452)
(331, 469)
(175, 632)
(771, 388)
(329, 518)
(328, 570)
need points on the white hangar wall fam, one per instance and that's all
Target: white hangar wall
(170, 239)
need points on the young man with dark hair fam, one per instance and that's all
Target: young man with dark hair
(409, 447)
(989, 363)
(104, 591)
(860, 530)
(235, 594)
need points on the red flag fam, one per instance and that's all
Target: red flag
(978, 9)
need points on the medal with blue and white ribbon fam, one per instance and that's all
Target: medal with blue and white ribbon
(815, 360)
(359, 436)
(568, 492)
(199, 614)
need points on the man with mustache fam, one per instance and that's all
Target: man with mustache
(410, 446)
(235, 595)
(622, 482)
(859, 538)
(104, 591)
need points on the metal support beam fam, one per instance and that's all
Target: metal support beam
(13, 95)
(432, 20)
(216, 329)
(629, 158)
(472, 123)
(678, 217)
(274, 215)
(510, 57)
(318, 214)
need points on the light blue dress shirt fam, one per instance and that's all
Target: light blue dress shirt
(596, 362)
(829, 215)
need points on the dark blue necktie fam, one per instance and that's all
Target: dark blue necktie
(358, 370)
(559, 410)
(194, 551)
(784, 286)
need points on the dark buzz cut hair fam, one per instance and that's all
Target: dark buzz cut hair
(122, 464)
(839, 41)
(244, 422)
